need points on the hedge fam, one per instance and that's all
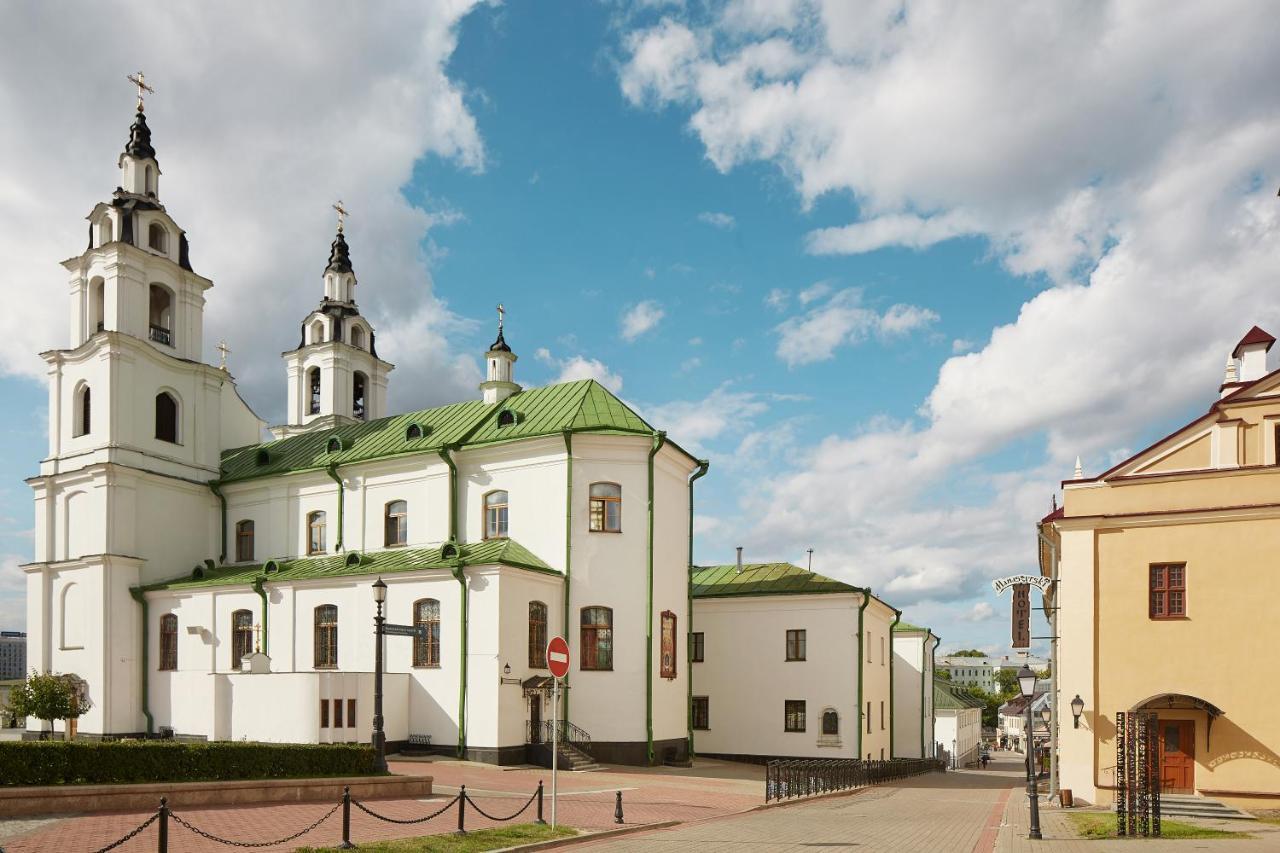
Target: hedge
(115, 762)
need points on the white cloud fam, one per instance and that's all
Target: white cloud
(723, 221)
(695, 342)
(578, 367)
(843, 319)
(695, 423)
(641, 318)
(814, 292)
(777, 299)
(895, 229)
(543, 355)
(980, 612)
(690, 364)
(254, 201)
(960, 346)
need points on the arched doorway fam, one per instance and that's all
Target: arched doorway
(1181, 719)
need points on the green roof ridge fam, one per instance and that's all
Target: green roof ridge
(763, 579)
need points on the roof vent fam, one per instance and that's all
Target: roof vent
(335, 445)
(197, 573)
(355, 559)
(739, 567)
(449, 550)
(271, 567)
(264, 457)
(507, 418)
(414, 431)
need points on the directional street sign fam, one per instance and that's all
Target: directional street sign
(405, 631)
(558, 657)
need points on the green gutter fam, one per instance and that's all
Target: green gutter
(897, 617)
(568, 552)
(703, 465)
(262, 593)
(462, 582)
(453, 490)
(140, 597)
(659, 438)
(866, 599)
(215, 485)
(332, 470)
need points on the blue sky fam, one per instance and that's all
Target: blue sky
(871, 268)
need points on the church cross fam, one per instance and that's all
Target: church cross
(140, 80)
(223, 350)
(501, 314)
(257, 638)
(342, 214)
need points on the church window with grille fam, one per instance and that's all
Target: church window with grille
(597, 638)
(537, 635)
(426, 644)
(168, 642)
(326, 636)
(241, 636)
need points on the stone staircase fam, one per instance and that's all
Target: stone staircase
(1193, 805)
(574, 759)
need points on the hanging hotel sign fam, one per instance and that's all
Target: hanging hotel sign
(1040, 582)
(1021, 616)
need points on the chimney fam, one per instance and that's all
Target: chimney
(739, 569)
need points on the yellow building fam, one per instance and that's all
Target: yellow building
(1169, 588)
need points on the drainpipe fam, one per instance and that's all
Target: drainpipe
(933, 718)
(897, 617)
(332, 471)
(141, 598)
(262, 593)
(216, 486)
(703, 465)
(445, 454)
(866, 599)
(1053, 661)
(924, 679)
(568, 553)
(659, 438)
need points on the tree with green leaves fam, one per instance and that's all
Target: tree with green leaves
(49, 696)
(968, 653)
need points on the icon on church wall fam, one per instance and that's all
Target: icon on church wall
(668, 644)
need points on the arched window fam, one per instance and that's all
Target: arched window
(244, 541)
(97, 305)
(72, 617)
(241, 636)
(169, 641)
(82, 414)
(597, 638)
(150, 180)
(358, 386)
(326, 653)
(396, 524)
(426, 646)
(315, 532)
(157, 237)
(606, 508)
(830, 722)
(537, 635)
(506, 418)
(166, 417)
(495, 515)
(357, 337)
(161, 315)
(313, 384)
(105, 235)
(317, 332)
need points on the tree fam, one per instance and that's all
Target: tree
(49, 696)
(968, 653)
(944, 674)
(1008, 681)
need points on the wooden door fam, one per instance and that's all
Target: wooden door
(535, 718)
(1177, 756)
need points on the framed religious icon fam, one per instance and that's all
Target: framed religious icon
(668, 644)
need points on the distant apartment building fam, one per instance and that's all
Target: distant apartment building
(13, 654)
(969, 672)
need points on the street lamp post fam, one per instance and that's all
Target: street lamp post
(379, 737)
(1027, 683)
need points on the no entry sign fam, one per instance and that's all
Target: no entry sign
(558, 657)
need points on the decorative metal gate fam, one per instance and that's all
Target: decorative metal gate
(1137, 774)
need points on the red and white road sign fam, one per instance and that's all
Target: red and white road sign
(558, 657)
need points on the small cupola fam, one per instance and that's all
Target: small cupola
(339, 275)
(139, 169)
(500, 363)
(1251, 355)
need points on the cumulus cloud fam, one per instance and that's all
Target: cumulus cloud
(777, 299)
(844, 319)
(227, 119)
(640, 318)
(723, 221)
(578, 367)
(981, 611)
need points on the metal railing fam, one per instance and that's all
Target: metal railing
(161, 335)
(569, 734)
(786, 779)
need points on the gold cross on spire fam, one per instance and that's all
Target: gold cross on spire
(223, 349)
(501, 313)
(140, 80)
(342, 214)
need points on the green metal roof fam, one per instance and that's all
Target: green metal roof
(948, 696)
(584, 406)
(762, 579)
(506, 552)
(907, 626)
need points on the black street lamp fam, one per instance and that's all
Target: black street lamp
(379, 737)
(1027, 684)
(1077, 708)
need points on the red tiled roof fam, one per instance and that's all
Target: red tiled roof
(1253, 336)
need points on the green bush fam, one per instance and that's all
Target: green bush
(116, 762)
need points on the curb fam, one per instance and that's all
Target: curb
(591, 836)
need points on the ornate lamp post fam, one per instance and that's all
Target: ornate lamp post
(379, 737)
(1027, 684)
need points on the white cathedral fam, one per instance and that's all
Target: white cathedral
(207, 584)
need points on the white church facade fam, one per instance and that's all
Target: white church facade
(208, 584)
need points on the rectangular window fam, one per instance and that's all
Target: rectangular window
(868, 647)
(882, 651)
(881, 715)
(337, 713)
(324, 713)
(868, 718)
(351, 713)
(795, 644)
(597, 638)
(1168, 598)
(701, 713)
(696, 647)
(606, 508)
(169, 642)
(794, 711)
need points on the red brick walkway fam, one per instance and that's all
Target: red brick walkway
(586, 802)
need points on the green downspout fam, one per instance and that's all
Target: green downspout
(659, 438)
(462, 582)
(568, 550)
(866, 599)
(216, 486)
(897, 617)
(262, 593)
(141, 598)
(924, 679)
(703, 465)
(933, 718)
(332, 471)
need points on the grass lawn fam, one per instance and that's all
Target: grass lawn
(1103, 825)
(481, 839)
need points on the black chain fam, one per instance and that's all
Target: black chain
(113, 845)
(228, 841)
(362, 807)
(502, 819)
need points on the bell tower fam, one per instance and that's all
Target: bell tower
(500, 362)
(335, 375)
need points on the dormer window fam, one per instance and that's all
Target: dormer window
(334, 445)
(264, 457)
(414, 431)
(158, 238)
(506, 418)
